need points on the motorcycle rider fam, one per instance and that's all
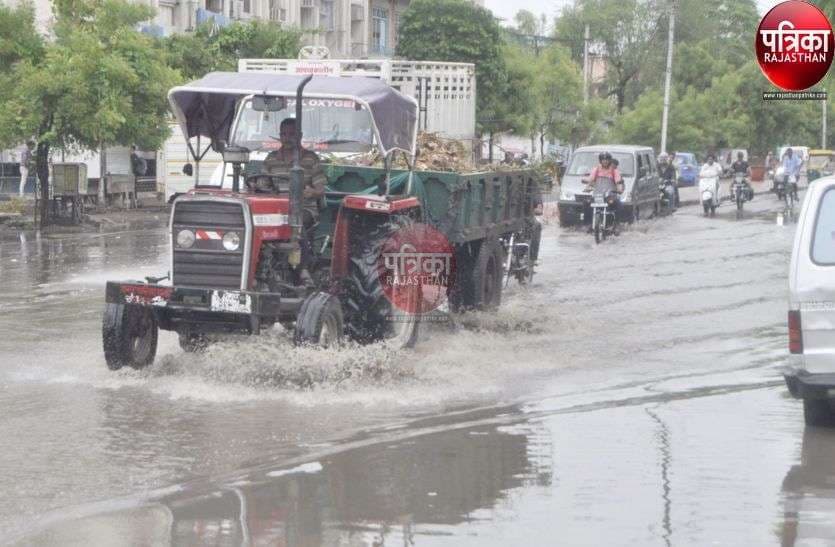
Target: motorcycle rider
(740, 166)
(668, 173)
(606, 170)
(791, 167)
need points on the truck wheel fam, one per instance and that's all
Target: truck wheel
(818, 412)
(370, 316)
(129, 336)
(191, 342)
(319, 322)
(487, 275)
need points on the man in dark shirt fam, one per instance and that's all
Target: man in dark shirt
(740, 166)
(668, 174)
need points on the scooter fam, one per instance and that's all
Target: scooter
(667, 197)
(709, 194)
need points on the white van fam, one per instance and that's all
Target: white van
(812, 305)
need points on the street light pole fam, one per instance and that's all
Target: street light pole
(665, 117)
(823, 124)
(586, 66)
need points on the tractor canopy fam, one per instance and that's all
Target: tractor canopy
(207, 107)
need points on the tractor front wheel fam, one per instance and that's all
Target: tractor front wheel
(319, 322)
(129, 336)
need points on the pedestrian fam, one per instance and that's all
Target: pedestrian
(137, 163)
(25, 161)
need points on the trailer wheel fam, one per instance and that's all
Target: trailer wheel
(370, 315)
(129, 336)
(487, 275)
(319, 322)
(191, 342)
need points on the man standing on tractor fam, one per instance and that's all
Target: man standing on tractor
(279, 163)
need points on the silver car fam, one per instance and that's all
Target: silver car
(811, 318)
(638, 168)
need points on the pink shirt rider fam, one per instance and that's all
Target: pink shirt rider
(610, 172)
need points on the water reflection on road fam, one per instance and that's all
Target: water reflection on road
(631, 396)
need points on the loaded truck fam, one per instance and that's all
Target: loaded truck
(238, 251)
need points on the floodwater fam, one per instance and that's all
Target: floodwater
(631, 395)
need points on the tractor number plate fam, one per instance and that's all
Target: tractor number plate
(231, 302)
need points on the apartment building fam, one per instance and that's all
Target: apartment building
(348, 28)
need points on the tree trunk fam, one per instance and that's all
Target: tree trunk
(533, 146)
(542, 145)
(102, 173)
(490, 148)
(42, 168)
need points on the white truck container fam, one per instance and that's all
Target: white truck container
(445, 92)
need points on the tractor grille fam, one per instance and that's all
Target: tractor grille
(207, 264)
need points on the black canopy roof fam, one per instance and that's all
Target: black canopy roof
(206, 106)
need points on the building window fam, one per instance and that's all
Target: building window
(166, 15)
(215, 6)
(326, 16)
(246, 6)
(379, 30)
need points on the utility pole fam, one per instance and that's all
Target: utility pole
(665, 117)
(823, 124)
(586, 66)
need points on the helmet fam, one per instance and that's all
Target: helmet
(604, 156)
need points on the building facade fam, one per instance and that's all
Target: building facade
(348, 28)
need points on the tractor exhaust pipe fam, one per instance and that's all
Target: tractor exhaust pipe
(297, 173)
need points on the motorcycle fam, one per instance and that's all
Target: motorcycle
(709, 194)
(604, 201)
(739, 192)
(667, 196)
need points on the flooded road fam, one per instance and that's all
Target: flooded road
(630, 396)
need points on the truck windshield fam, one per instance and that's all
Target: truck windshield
(583, 162)
(329, 125)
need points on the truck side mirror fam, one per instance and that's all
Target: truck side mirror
(188, 169)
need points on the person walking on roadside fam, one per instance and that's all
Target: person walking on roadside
(25, 161)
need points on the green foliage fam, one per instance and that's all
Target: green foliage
(457, 30)
(208, 49)
(18, 39)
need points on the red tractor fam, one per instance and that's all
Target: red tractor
(237, 251)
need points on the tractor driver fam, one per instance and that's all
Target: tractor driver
(279, 163)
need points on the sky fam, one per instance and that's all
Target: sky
(507, 8)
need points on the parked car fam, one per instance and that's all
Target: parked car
(811, 317)
(640, 176)
(687, 167)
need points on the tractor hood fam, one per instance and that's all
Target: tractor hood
(206, 107)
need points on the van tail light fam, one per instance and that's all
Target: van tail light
(795, 334)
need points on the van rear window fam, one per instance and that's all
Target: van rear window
(823, 241)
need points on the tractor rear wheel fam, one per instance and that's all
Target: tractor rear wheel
(487, 276)
(129, 336)
(370, 314)
(319, 322)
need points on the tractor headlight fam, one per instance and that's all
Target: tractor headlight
(231, 241)
(185, 239)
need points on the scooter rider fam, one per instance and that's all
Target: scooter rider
(740, 166)
(668, 173)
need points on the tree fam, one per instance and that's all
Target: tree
(625, 31)
(459, 31)
(208, 49)
(532, 29)
(18, 38)
(100, 82)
